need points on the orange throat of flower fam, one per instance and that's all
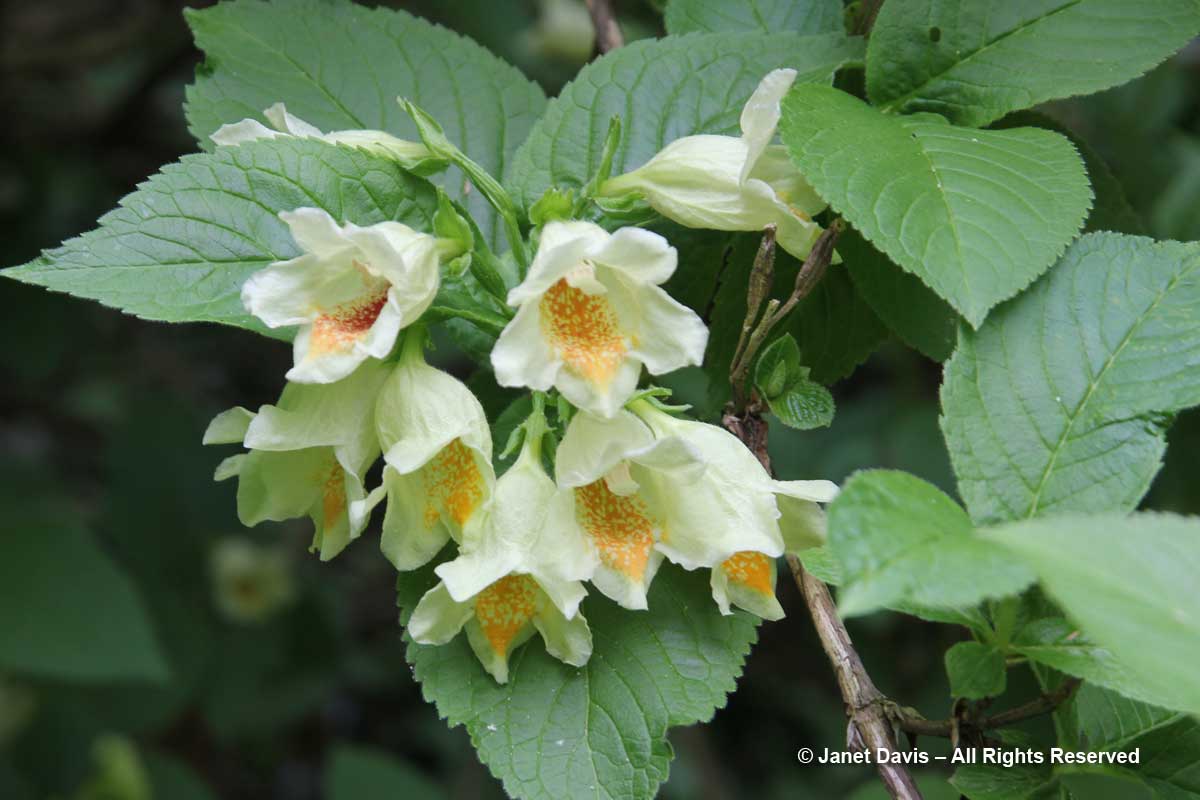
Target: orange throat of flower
(337, 329)
(755, 571)
(454, 485)
(583, 330)
(619, 526)
(504, 609)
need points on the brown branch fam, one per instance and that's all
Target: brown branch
(608, 33)
(867, 708)
(945, 728)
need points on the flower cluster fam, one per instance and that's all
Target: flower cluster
(633, 483)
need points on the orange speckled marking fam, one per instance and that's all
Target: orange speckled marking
(619, 526)
(750, 569)
(343, 325)
(583, 328)
(504, 609)
(453, 484)
(333, 495)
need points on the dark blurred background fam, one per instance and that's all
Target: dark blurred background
(287, 676)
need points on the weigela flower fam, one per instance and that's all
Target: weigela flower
(592, 313)
(284, 125)
(308, 455)
(438, 452)
(730, 183)
(602, 463)
(520, 570)
(351, 292)
(250, 582)
(728, 519)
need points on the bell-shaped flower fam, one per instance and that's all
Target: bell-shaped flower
(520, 570)
(602, 463)
(285, 125)
(251, 582)
(728, 519)
(591, 313)
(308, 455)
(731, 183)
(438, 452)
(351, 292)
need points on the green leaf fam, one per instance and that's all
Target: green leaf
(804, 405)
(1124, 581)
(69, 612)
(340, 66)
(973, 62)
(556, 731)
(1170, 759)
(778, 367)
(900, 539)
(974, 214)
(823, 564)
(364, 773)
(1111, 209)
(1109, 721)
(994, 782)
(1053, 405)
(976, 670)
(180, 247)
(663, 89)
(908, 307)
(767, 16)
(1057, 643)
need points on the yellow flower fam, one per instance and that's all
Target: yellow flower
(730, 183)
(592, 313)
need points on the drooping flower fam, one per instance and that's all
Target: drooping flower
(731, 183)
(250, 582)
(284, 125)
(728, 519)
(520, 570)
(592, 313)
(602, 464)
(438, 452)
(351, 292)
(308, 455)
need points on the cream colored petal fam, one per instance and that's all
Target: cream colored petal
(228, 427)
(229, 467)
(279, 486)
(592, 446)
(748, 582)
(421, 409)
(438, 617)
(279, 117)
(624, 590)
(522, 356)
(503, 621)
(775, 168)
(321, 367)
(413, 530)
(816, 491)
(669, 334)
(236, 133)
(316, 231)
(568, 640)
(695, 181)
(760, 115)
(560, 251)
(802, 523)
(642, 256)
(334, 526)
(602, 399)
(338, 414)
